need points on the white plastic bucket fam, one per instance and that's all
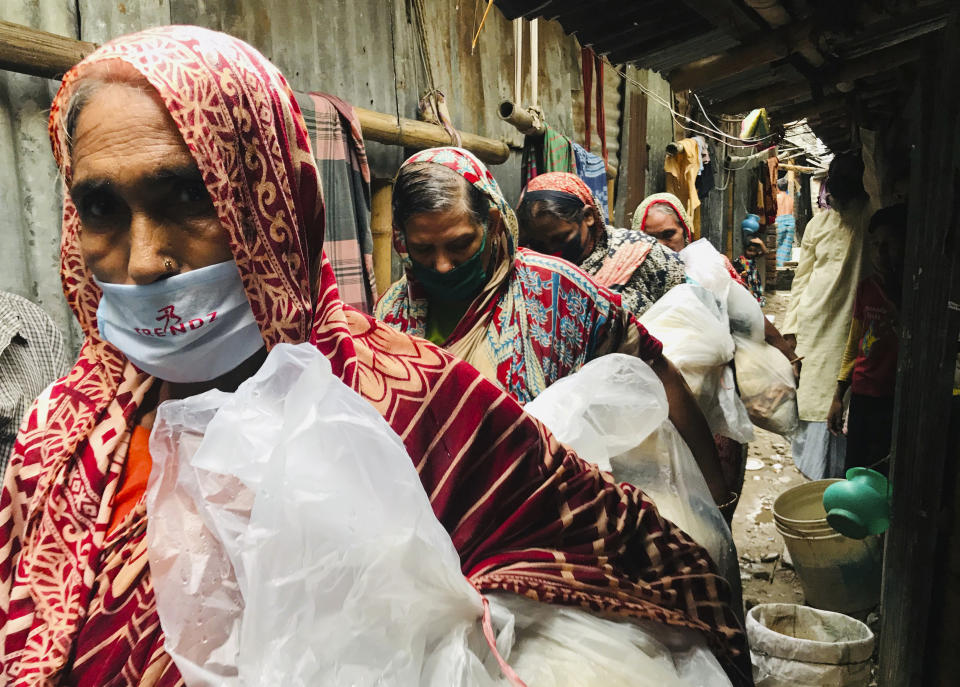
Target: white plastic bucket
(837, 573)
(793, 646)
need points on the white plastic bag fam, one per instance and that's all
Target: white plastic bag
(291, 542)
(746, 315)
(613, 411)
(728, 416)
(556, 646)
(696, 338)
(693, 331)
(705, 266)
(767, 386)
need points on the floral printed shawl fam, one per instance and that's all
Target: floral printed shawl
(525, 514)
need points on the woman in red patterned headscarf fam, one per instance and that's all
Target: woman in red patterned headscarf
(225, 177)
(560, 216)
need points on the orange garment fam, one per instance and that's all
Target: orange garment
(133, 480)
(682, 170)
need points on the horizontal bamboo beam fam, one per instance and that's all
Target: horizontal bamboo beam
(411, 133)
(38, 53)
(800, 169)
(28, 51)
(873, 63)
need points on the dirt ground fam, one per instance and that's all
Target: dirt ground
(766, 577)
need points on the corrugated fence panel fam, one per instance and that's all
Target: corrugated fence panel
(30, 191)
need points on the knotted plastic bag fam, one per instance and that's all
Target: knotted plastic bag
(613, 412)
(291, 542)
(705, 266)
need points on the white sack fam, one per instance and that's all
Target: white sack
(696, 338)
(613, 411)
(557, 646)
(291, 542)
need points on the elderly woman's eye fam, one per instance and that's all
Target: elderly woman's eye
(192, 192)
(97, 206)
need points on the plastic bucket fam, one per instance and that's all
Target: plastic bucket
(802, 507)
(794, 645)
(837, 573)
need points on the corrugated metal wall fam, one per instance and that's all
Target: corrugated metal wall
(29, 186)
(365, 51)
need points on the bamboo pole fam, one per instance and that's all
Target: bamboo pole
(410, 133)
(801, 170)
(381, 226)
(29, 51)
(38, 53)
(529, 124)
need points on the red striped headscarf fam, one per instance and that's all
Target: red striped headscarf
(526, 515)
(571, 184)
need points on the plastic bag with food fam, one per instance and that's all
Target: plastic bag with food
(767, 386)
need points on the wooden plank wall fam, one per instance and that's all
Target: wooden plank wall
(919, 633)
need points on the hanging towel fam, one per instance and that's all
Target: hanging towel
(551, 152)
(337, 143)
(593, 171)
(682, 170)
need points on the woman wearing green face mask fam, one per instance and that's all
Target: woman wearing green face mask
(524, 320)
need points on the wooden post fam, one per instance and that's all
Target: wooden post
(381, 226)
(918, 638)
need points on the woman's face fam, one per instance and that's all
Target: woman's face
(546, 233)
(445, 240)
(144, 211)
(664, 227)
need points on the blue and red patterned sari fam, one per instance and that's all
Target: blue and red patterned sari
(537, 319)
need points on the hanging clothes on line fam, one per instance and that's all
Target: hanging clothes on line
(592, 63)
(593, 171)
(551, 152)
(682, 170)
(337, 143)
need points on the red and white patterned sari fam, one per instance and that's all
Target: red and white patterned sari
(525, 514)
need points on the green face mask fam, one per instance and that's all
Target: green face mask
(461, 283)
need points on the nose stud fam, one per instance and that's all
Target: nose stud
(168, 264)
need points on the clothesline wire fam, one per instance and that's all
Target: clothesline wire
(694, 126)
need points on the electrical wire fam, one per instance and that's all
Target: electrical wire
(710, 132)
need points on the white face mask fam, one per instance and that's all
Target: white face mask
(192, 327)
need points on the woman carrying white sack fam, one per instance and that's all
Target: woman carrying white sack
(708, 323)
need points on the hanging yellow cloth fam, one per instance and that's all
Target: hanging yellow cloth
(682, 170)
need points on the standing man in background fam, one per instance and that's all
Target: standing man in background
(786, 223)
(821, 306)
(32, 354)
